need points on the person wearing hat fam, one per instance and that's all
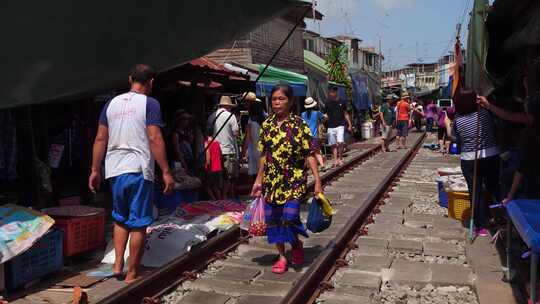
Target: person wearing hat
(250, 150)
(219, 120)
(402, 120)
(387, 121)
(313, 118)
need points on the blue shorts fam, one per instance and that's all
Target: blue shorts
(132, 200)
(402, 128)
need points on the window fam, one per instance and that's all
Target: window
(309, 44)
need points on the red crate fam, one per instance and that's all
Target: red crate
(82, 233)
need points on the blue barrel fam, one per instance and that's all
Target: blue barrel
(443, 197)
(454, 149)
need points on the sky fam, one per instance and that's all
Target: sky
(409, 30)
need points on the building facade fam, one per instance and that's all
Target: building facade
(258, 46)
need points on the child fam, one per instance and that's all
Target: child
(214, 178)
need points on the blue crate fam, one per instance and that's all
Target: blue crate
(443, 196)
(44, 257)
(172, 201)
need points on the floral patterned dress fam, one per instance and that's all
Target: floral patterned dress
(286, 148)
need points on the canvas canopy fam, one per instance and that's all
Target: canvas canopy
(273, 76)
(64, 48)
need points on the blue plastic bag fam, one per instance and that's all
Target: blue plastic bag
(317, 221)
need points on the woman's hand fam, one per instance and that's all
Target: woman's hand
(256, 190)
(318, 187)
(507, 200)
(483, 102)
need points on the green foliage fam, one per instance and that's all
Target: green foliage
(337, 61)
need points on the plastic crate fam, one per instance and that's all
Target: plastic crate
(82, 233)
(44, 257)
(443, 197)
(459, 205)
(173, 200)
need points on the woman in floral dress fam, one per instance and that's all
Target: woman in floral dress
(285, 145)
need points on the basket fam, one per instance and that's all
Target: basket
(459, 205)
(443, 197)
(44, 257)
(82, 233)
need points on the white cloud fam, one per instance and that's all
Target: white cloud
(390, 4)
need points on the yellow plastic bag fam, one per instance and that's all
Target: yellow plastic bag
(327, 208)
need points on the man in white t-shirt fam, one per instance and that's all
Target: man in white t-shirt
(129, 137)
(227, 140)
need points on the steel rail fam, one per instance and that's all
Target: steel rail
(315, 280)
(150, 289)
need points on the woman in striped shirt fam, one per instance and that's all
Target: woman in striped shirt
(464, 133)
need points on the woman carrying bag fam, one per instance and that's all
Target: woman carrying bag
(285, 145)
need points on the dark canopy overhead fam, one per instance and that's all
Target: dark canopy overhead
(59, 48)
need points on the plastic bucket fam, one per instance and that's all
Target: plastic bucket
(367, 130)
(443, 196)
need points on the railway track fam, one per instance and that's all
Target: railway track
(230, 265)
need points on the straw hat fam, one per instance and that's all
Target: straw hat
(310, 103)
(405, 95)
(249, 97)
(225, 101)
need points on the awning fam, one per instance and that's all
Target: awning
(64, 48)
(476, 76)
(312, 60)
(273, 76)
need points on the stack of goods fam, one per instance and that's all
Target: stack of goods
(189, 225)
(29, 250)
(454, 193)
(83, 227)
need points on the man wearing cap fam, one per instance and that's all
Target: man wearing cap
(402, 120)
(227, 140)
(387, 121)
(336, 110)
(313, 118)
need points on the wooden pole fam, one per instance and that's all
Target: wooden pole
(475, 177)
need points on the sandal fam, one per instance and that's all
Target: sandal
(280, 267)
(297, 253)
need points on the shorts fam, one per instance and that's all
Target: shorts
(132, 197)
(336, 135)
(230, 166)
(387, 132)
(402, 128)
(316, 144)
(214, 179)
(441, 133)
(429, 125)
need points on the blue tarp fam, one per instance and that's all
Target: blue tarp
(525, 213)
(447, 91)
(361, 98)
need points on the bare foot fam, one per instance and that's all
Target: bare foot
(118, 269)
(131, 277)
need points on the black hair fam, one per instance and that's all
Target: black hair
(286, 89)
(256, 112)
(333, 88)
(142, 73)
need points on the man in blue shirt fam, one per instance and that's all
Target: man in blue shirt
(313, 118)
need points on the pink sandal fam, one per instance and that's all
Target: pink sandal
(280, 267)
(298, 254)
